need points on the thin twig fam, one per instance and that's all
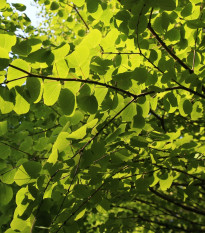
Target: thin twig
(44, 131)
(41, 202)
(168, 50)
(119, 53)
(90, 197)
(75, 8)
(81, 153)
(188, 208)
(30, 75)
(161, 119)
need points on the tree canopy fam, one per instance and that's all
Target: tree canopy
(102, 117)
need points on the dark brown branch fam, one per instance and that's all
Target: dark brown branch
(68, 190)
(138, 44)
(190, 90)
(41, 202)
(181, 171)
(44, 131)
(150, 16)
(194, 57)
(81, 153)
(161, 119)
(75, 8)
(90, 197)
(156, 67)
(163, 209)
(20, 36)
(197, 31)
(167, 226)
(118, 53)
(100, 130)
(30, 75)
(167, 49)
(188, 208)
(16, 149)
(153, 221)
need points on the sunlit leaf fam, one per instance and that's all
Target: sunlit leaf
(51, 92)
(14, 74)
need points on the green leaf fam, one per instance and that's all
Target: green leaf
(166, 183)
(61, 144)
(60, 69)
(173, 35)
(78, 134)
(53, 157)
(140, 75)
(100, 94)
(54, 6)
(5, 150)
(129, 112)
(21, 105)
(8, 176)
(195, 1)
(10, 231)
(138, 121)
(194, 58)
(26, 172)
(6, 101)
(80, 191)
(61, 51)
(16, 74)
(23, 48)
(80, 215)
(6, 194)
(108, 43)
(67, 101)
(34, 88)
(78, 57)
(92, 6)
(197, 111)
(187, 107)
(7, 41)
(51, 92)
(32, 168)
(4, 60)
(78, 3)
(88, 103)
(93, 39)
(187, 10)
(19, 6)
(138, 141)
(168, 5)
(196, 23)
(81, 132)
(3, 128)
(123, 80)
(2, 4)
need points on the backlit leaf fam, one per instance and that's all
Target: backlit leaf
(16, 74)
(67, 101)
(88, 103)
(6, 194)
(51, 92)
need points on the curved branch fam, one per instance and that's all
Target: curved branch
(30, 75)
(167, 49)
(165, 197)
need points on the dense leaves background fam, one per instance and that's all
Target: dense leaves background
(102, 117)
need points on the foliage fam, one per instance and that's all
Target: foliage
(102, 117)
